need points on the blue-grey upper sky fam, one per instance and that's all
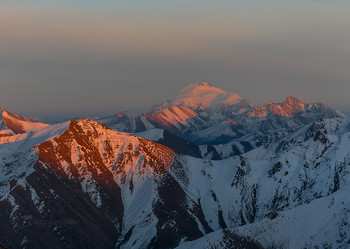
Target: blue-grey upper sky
(77, 58)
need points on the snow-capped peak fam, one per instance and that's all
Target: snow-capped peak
(199, 88)
(202, 95)
(291, 107)
(294, 103)
(17, 123)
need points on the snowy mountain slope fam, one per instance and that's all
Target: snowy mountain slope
(127, 122)
(82, 184)
(207, 115)
(290, 114)
(321, 223)
(169, 216)
(11, 123)
(119, 182)
(177, 119)
(172, 141)
(202, 96)
(18, 152)
(229, 131)
(197, 108)
(244, 190)
(290, 107)
(79, 168)
(225, 150)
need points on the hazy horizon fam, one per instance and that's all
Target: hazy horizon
(60, 117)
(61, 59)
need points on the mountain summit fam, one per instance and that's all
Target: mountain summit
(219, 173)
(11, 123)
(202, 95)
(205, 114)
(291, 107)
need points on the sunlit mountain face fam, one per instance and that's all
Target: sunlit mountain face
(210, 117)
(205, 169)
(15, 124)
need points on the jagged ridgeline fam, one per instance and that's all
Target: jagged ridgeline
(223, 124)
(204, 170)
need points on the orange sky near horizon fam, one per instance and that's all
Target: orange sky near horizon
(62, 58)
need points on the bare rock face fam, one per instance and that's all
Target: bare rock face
(72, 199)
(81, 184)
(288, 108)
(206, 115)
(18, 124)
(87, 186)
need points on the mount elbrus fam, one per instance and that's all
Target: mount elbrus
(204, 170)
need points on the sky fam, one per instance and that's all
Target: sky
(65, 59)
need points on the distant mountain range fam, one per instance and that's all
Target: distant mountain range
(210, 117)
(204, 170)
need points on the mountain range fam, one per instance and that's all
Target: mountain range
(223, 124)
(203, 170)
